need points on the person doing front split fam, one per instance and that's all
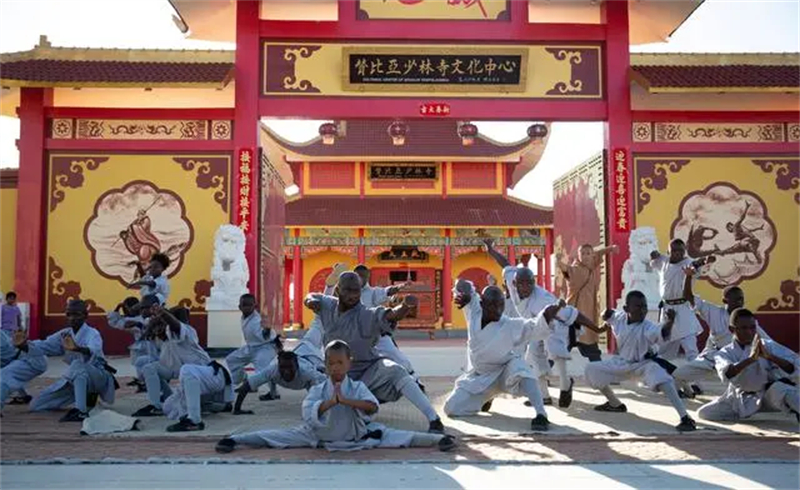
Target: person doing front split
(337, 415)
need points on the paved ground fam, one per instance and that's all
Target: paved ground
(407, 476)
(579, 434)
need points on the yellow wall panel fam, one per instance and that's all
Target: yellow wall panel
(98, 202)
(8, 238)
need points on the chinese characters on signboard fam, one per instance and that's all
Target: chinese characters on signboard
(459, 69)
(381, 171)
(433, 110)
(621, 198)
(244, 220)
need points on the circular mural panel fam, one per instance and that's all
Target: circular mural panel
(730, 224)
(131, 224)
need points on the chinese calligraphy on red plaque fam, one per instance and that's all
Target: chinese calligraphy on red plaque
(433, 110)
(244, 220)
(620, 190)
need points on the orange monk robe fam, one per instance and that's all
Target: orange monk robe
(582, 286)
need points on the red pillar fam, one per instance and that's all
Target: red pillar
(297, 277)
(245, 126)
(539, 272)
(362, 253)
(512, 253)
(548, 254)
(447, 284)
(287, 280)
(29, 265)
(617, 133)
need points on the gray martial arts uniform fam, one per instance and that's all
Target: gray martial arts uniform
(258, 350)
(310, 365)
(18, 367)
(198, 385)
(495, 365)
(142, 351)
(717, 318)
(340, 428)
(175, 352)
(161, 289)
(760, 386)
(535, 353)
(86, 374)
(361, 328)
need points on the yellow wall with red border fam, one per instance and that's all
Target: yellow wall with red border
(662, 188)
(8, 238)
(201, 182)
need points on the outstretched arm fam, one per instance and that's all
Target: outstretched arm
(710, 259)
(313, 302)
(501, 260)
(585, 321)
(173, 323)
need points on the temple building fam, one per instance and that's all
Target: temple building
(413, 201)
(128, 152)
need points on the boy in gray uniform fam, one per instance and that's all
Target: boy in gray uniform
(262, 344)
(337, 416)
(88, 375)
(179, 346)
(346, 318)
(760, 374)
(299, 369)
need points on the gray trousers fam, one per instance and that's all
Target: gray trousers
(80, 380)
(780, 397)
(156, 379)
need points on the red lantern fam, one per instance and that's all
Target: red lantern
(467, 132)
(328, 131)
(537, 131)
(398, 130)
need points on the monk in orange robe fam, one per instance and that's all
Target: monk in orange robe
(582, 285)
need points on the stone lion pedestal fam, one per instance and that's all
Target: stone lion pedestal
(229, 274)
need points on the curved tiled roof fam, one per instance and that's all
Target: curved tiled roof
(415, 212)
(426, 138)
(712, 71)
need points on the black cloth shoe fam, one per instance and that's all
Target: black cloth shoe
(446, 443)
(148, 411)
(133, 382)
(20, 400)
(487, 406)
(687, 424)
(225, 445)
(696, 390)
(185, 424)
(436, 427)
(607, 407)
(74, 415)
(540, 423)
(565, 398)
(268, 397)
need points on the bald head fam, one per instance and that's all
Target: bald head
(349, 287)
(523, 281)
(493, 303)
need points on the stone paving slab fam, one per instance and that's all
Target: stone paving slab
(579, 433)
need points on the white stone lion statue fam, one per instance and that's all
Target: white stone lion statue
(637, 275)
(229, 271)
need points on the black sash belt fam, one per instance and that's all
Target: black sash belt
(217, 366)
(668, 366)
(373, 434)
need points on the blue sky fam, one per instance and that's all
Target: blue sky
(717, 26)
